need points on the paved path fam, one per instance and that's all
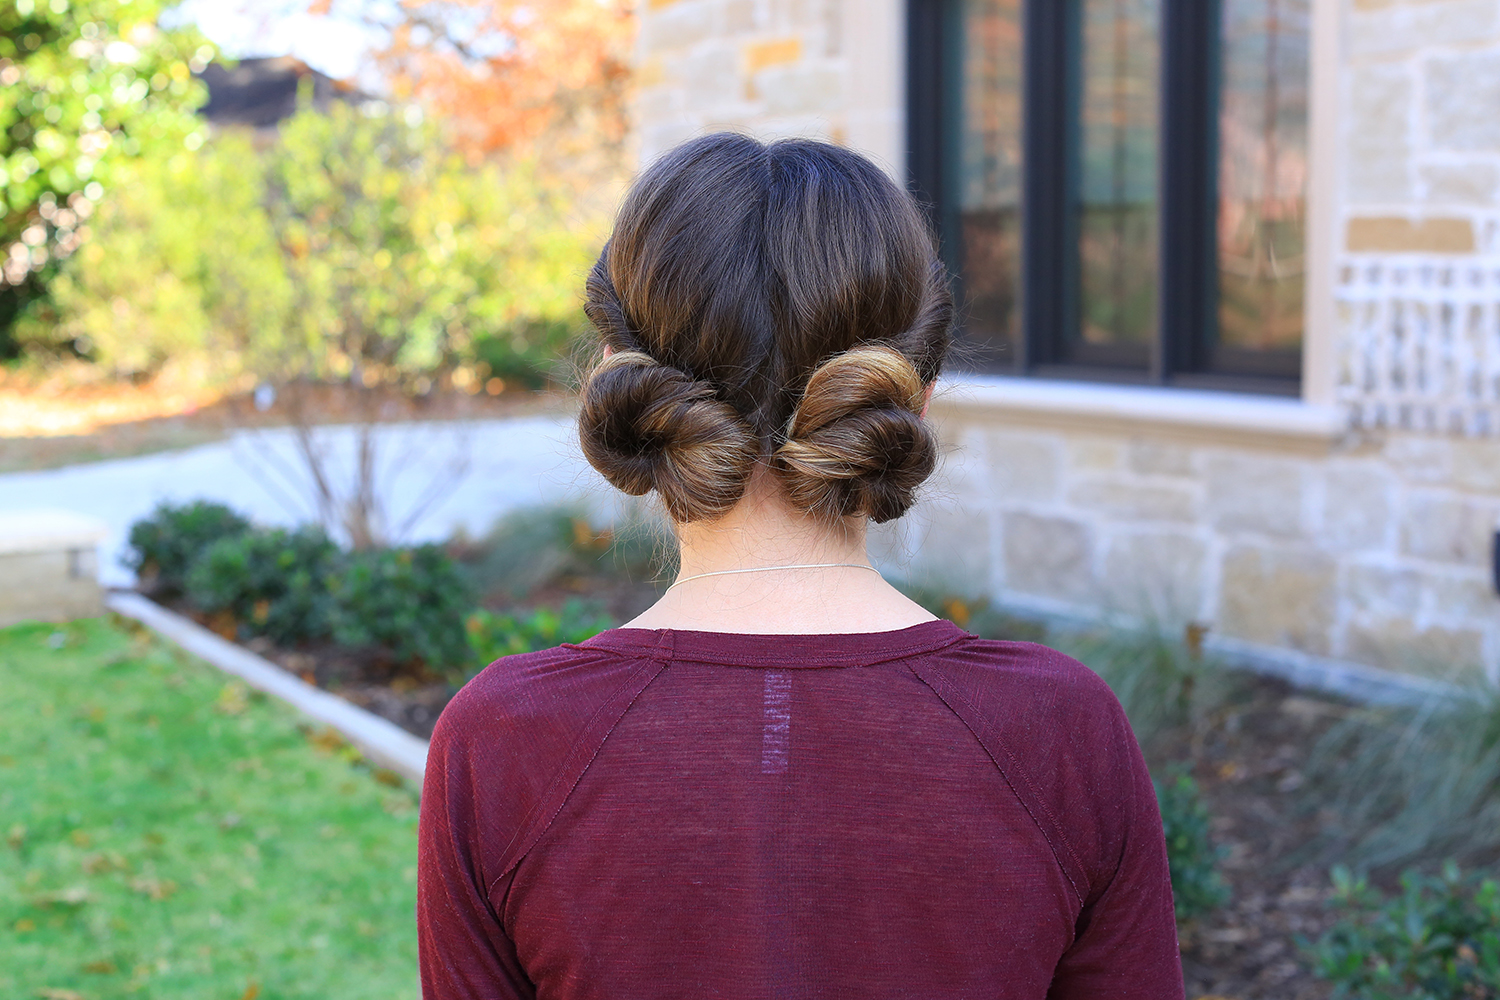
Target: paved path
(480, 469)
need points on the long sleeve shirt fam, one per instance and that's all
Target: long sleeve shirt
(919, 813)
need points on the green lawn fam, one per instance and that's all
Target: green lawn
(170, 834)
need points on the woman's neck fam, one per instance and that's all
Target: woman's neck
(762, 533)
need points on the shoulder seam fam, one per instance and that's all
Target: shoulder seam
(1031, 800)
(530, 830)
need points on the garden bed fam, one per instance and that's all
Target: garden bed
(1276, 784)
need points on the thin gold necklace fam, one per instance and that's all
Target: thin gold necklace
(767, 569)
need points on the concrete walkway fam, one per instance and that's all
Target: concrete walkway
(478, 471)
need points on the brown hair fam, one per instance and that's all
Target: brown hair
(777, 303)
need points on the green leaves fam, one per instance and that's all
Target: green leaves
(494, 636)
(86, 86)
(1197, 888)
(1439, 939)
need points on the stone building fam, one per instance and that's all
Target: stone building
(1230, 276)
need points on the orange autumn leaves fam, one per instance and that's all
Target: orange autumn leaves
(504, 73)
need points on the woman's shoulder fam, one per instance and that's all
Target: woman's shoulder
(530, 695)
(1022, 677)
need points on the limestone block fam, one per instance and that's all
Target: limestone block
(1397, 234)
(1468, 598)
(1476, 465)
(1420, 458)
(961, 475)
(1384, 591)
(1134, 502)
(1024, 468)
(1255, 494)
(771, 52)
(709, 75)
(1379, 133)
(1093, 453)
(48, 566)
(741, 16)
(1356, 507)
(1277, 596)
(1396, 644)
(1404, 25)
(953, 554)
(1463, 91)
(1158, 574)
(1048, 556)
(801, 90)
(1162, 458)
(677, 26)
(1470, 184)
(1449, 528)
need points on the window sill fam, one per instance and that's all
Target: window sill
(1195, 413)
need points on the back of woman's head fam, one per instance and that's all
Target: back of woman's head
(778, 304)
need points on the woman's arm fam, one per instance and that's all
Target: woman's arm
(464, 951)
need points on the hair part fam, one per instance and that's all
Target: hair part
(779, 304)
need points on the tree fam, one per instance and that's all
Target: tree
(504, 73)
(86, 86)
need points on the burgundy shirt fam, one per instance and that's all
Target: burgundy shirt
(917, 813)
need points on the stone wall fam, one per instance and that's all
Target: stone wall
(825, 68)
(1420, 170)
(1373, 548)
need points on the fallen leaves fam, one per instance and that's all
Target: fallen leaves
(154, 888)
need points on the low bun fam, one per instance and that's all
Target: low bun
(856, 444)
(646, 426)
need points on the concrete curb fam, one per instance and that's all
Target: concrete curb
(383, 742)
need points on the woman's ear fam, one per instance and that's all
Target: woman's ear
(610, 350)
(926, 397)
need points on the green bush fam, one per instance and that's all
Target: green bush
(411, 602)
(165, 545)
(1197, 888)
(273, 582)
(494, 636)
(1438, 940)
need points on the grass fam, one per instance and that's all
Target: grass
(170, 834)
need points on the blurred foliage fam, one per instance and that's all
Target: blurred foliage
(1197, 887)
(401, 256)
(1438, 939)
(534, 547)
(1412, 784)
(409, 602)
(495, 635)
(165, 544)
(86, 87)
(561, 76)
(273, 583)
(357, 247)
(170, 834)
(295, 587)
(182, 262)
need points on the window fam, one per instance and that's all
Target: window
(1118, 184)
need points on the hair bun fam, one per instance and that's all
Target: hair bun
(856, 444)
(646, 426)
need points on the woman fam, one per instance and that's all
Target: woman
(784, 779)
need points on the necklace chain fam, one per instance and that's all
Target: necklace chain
(767, 569)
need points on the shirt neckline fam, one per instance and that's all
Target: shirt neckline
(750, 649)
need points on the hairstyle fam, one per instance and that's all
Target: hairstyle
(775, 304)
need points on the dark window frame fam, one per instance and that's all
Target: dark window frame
(1184, 351)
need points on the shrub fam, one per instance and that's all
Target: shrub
(411, 602)
(164, 545)
(273, 582)
(1438, 940)
(1197, 888)
(1412, 784)
(494, 636)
